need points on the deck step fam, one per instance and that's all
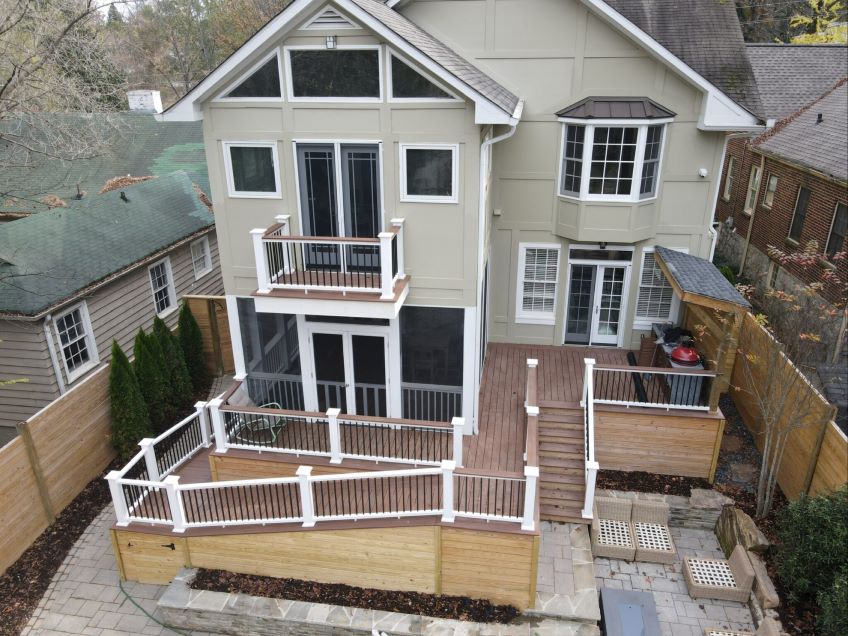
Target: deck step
(555, 464)
(570, 514)
(570, 484)
(564, 433)
(566, 418)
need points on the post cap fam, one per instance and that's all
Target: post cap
(200, 404)
(258, 231)
(588, 360)
(398, 221)
(448, 464)
(113, 474)
(172, 479)
(531, 471)
(303, 471)
(458, 422)
(147, 441)
(282, 218)
(333, 412)
(532, 411)
(532, 362)
(216, 402)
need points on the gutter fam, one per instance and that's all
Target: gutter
(481, 238)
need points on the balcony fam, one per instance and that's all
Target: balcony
(330, 275)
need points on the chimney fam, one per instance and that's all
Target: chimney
(144, 101)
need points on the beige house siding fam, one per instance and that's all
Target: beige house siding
(117, 310)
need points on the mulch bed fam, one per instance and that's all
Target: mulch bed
(649, 482)
(452, 607)
(25, 582)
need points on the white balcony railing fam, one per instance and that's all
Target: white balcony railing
(329, 263)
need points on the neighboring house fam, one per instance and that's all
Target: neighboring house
(76, 277)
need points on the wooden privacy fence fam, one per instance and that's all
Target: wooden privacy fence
(210, 312)
(816, 456)
(58, 451)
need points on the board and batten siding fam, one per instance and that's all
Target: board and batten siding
(117, 310)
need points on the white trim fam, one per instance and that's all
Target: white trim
(228, 168)
(172, 294)
(830, 230)
(51, 349)
(580, 121)
(469, 368)
(390, 55)
(417, 198)
(771, 176)
(729, 179)
(88, 336)
(203, 241)
(755, 178)
(339, 308)
(235, 333)
(642, 322)
(345, 47)
(311, 26)
(625, 295)
(772, 274)
(795, 212)
(535, 317)
(222, 96)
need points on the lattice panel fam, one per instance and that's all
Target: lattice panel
(652, 536)
(614, 532)
(711, 572)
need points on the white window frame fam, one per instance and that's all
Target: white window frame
(207, 253)
(90, 342)
(346, 47)
(830, 230)
(771, 276)
(390, 56)
(535, 317)
(417, 198)
(222, 96)
(644, 322)
(766, 203)
(228, 166)
(755, 179)
(588, 144)
(789, 237)
(172, 294)
(729, 179)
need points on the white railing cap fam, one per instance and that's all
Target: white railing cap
(282, 218)
(258, 231)
(147, 441)
(303, 471)
(397, 221)
(532, 362)
(457, 422)
(385, 235)
(531, 471)
(216, 402)
(588, 360)
(199, 404)
(448, 464)
(172, 479)
(333, 412)
(114, 475)
(532, 411)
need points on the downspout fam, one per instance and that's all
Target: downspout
(481, 238)
(52, 349)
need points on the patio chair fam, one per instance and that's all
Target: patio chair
(258, 429)
(612, 535)
(724, 579)
(768, 627)
(650, 531)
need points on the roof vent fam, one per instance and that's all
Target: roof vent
(145, 101)
(819, 118)
(329, 20)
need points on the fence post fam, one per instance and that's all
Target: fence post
(589, 498)
(175, 502)
(448, 512)
(118, 501)
(458, 424)
(335, 437)
(307, 505)
(150, 458)
(218, 425)
(531, 476)
(401, 265)
(386, 278)
(203, 418)
(262, 278)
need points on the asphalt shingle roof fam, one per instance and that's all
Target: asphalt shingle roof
(138, 145)
(699, 276)
(47, 257)
(441, 54)
(616, 108)
(792, 75)
(820, 146)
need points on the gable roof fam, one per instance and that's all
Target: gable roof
(137, 145)
(696, 278)
(48, 257)
(791, 75)
(803, 140)
(616, 108)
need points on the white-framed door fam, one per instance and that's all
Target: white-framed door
(611, 283)
(349, 368)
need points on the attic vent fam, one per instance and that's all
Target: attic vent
(329, 20)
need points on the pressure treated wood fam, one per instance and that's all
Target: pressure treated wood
(150, 558)
(832, 465)
(716, 336)
(210, 312)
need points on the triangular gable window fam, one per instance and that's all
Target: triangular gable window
(263, 82)
(329, 19)
(407, 83)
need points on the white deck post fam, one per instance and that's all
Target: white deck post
(118, 501)
(335, 437)
(401, 264)
(531, 475)
(203, 418)
(386, 278)
(175, 502)
(285, 221)
(218, 425)
(262, 277)
(458, 424)
(307, 505)
(448, 512)
(150, 458)
(589, 497)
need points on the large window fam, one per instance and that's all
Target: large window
(263, 82)
(611, 162)
(252, 169)
(201, 259)
(76, 340)
(838, 230)
(429, 173)
(409, 84)
(346, 74)
(771, 189)
(728, 179)
(800, 214)
(753, 188)
(538, 272)
(655, 301)
(162, 285)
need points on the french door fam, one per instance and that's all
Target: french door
(608, 307)
(340, 196)
(595, 303)
(350, 371)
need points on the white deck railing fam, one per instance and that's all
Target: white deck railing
(653, 387)
(591, 466)
(328, 263)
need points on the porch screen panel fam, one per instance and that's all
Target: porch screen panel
(271, 356)
(431, 342)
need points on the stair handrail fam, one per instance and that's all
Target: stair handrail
(591, 466)
(531, 411)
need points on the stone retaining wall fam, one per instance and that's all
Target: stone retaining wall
(700, 511)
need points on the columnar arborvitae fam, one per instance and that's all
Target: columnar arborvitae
(179, 390)
(130, 421)
(191, 342)
(151, 379)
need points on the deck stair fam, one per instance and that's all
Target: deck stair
(561, 461)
